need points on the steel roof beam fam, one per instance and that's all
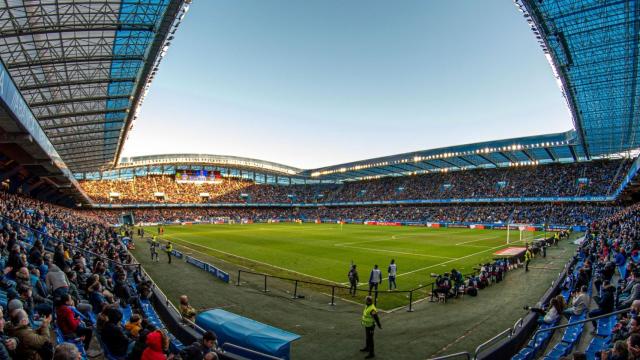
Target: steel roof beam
(54, 29)
(551, 154)
(467, 161)
(86, 158)
(86, 59)
(76, 141)
(450, 163)
(528, 155)
(69, 153)
(78, 82)
(77, 100)
(88, 123)
(96, 112)
(487, 159)
(75, 133)
(83, 155)
(573, 153)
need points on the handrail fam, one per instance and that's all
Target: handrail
(582, 321)
(518, 324)
(451, 356)
(493, 339)
(233, 346)
(13, 222)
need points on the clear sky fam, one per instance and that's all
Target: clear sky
(319, 82)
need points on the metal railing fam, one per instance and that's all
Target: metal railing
(508, 332)
(244, 349)
(409, 294)
(334, 287)
(581, 321)
(464, 354)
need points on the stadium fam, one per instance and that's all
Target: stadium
(513, 248)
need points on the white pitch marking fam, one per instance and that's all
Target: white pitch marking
(397, 252)
(486, 238)
(450, 261)
(244, 258)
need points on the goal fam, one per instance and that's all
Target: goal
(521, 233)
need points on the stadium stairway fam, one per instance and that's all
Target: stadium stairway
(541, 340)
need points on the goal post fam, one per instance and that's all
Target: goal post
(522, 233)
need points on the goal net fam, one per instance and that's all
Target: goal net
(520, 233)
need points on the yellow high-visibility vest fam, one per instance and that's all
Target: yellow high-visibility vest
(367, 318)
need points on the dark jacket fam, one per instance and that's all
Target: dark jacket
(113, 334)
(606, 303)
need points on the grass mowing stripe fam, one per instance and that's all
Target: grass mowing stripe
(247, 259)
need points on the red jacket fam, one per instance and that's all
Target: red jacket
(67, 321)
(154, 347)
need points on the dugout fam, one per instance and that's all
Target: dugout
(248, 333)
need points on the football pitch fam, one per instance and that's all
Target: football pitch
(324, 252)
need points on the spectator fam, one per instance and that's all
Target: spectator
(186, 310)
(69, 320)
(157, 344)
(199, 349)
(67, 351)
(32, 344)
(579, 303)
(113, 334)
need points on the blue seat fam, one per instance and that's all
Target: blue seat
(559, 350)
(526, 353)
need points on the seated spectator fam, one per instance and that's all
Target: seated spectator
(113, 334)
(69, 321)
(552, 313)
(606, 303)
(199, 349)
(633, 346)
(67, 351)
(7, 344)
(186, 310)
(579, 303)
(631, 292)
(157, 344)
(32, 344)
(134, 325)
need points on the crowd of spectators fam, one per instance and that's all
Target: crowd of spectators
(596, 178)
(552, 214)
(50, 266)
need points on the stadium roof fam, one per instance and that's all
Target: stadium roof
(83, 67)
(592, 46)
(524, 151)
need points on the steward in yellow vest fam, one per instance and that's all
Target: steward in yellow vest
(169, 249)
(369, 321)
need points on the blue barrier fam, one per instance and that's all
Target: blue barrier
(222, 275)
(238, 330)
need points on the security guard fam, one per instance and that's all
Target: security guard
(153, 247)
(528, 255)
(169, 249)
(369, 321)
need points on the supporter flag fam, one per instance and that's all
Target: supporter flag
(217, 174)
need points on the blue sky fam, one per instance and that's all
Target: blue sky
(319, 82)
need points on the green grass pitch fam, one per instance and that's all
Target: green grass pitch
(324, 252)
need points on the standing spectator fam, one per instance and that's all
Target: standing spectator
(392, 270)
(113, 334)
(369, 320)
(353, 280)
(57, 281)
